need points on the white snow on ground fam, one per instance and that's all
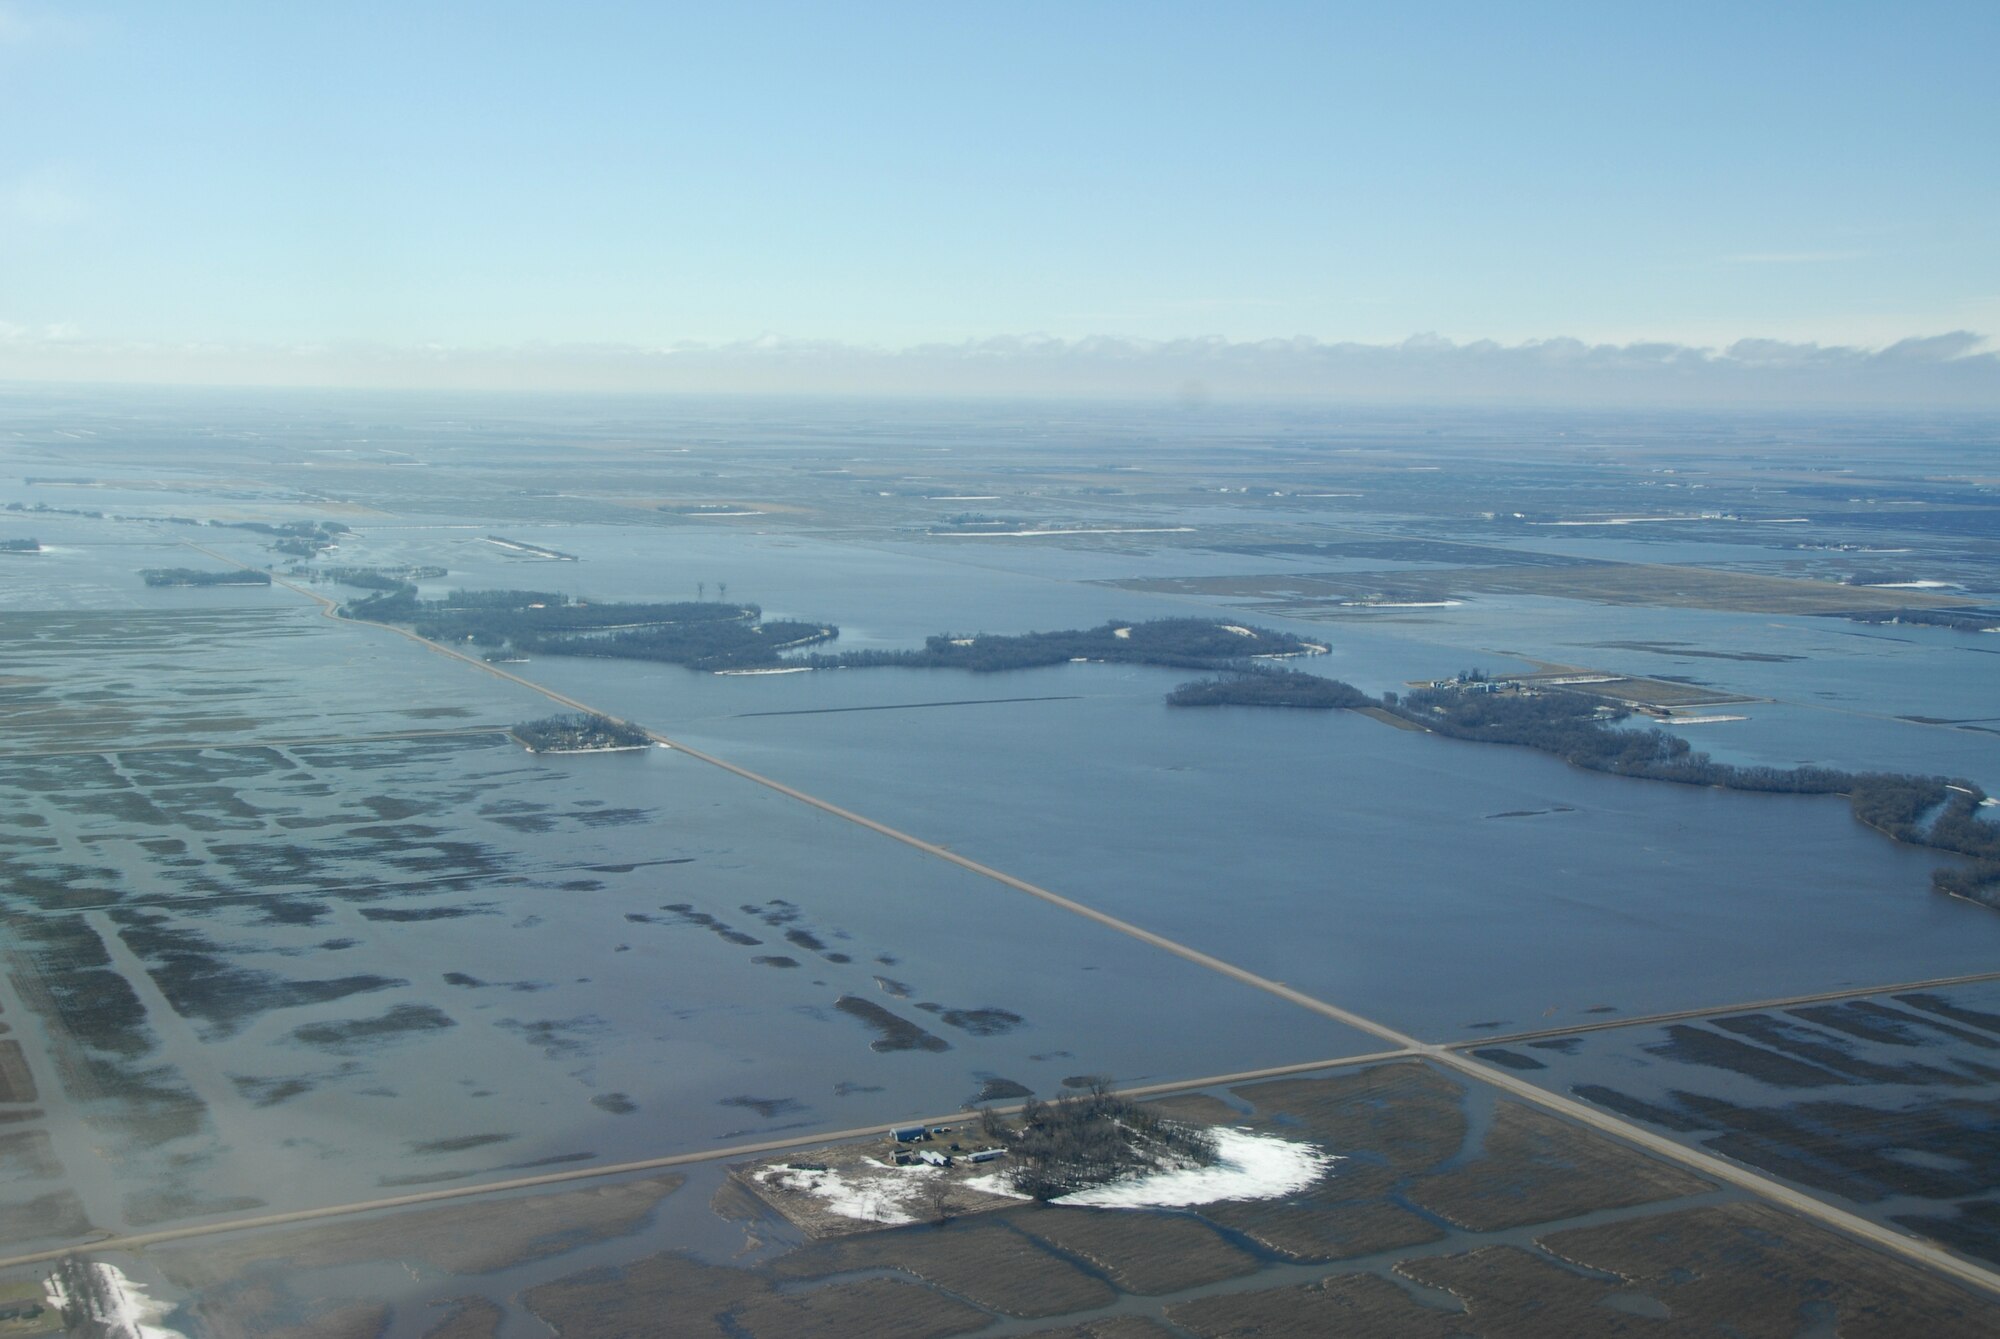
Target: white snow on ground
(1248, 1167)
(128, 1313)
(135, 1310)
(885, 1199)
(994, 1183)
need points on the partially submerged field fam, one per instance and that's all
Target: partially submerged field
(1884, 1103)
(312, 947)
(1325, 594)
(1447, 1213)
(436, 959)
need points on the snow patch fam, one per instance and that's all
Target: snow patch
(119, 1306)
(994, 1183)
(1247, 1167)
(880, 1199)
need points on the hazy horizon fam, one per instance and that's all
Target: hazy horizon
(1563, 204)
(1947, 372)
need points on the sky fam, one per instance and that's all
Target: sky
(1721, 200)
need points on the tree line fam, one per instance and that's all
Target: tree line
(195, 576)
(699, 634)
(381, 578)
(1940, 813)
(1089, 1139)
(1929, 811)
(712, 644)
(578, 732)
(1933, 812)
(1177, 643)
(1962, 620)
(1259, 686)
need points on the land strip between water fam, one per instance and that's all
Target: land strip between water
(1716, 1010)
(1403, 1045)
(136, 1240)
(303, 741)
(909, 706)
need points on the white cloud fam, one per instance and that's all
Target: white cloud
(14, 335)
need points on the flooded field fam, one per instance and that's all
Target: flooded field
(1883, 1101)
(1446, 1209)
(290, 924)
(517, 962)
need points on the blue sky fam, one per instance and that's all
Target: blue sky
(221, 184)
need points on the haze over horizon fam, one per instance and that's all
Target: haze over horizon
(1557, 204)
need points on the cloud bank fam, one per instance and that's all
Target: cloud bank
(1955, 370)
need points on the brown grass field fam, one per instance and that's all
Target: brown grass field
(1654, 584)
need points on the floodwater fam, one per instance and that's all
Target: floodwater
(291, 923)
(1882, 1103)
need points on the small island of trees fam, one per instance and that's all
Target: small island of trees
(20, 546)
(1960, 620)
(1177, 643)
(581, 733)
(1262, 687)
(1090, 1139)
(707, 635)
(381, 578)
(194, 576)
(300, 539)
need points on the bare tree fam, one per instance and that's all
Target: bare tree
(936, 1199)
